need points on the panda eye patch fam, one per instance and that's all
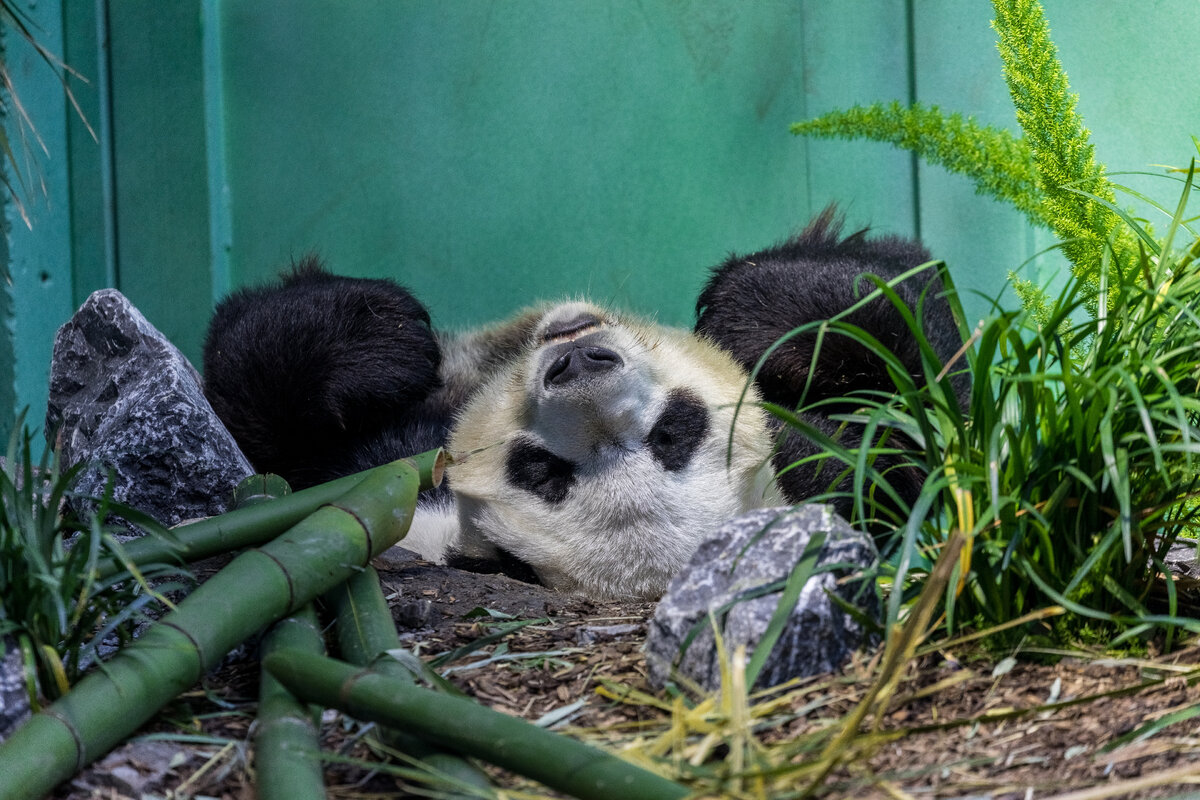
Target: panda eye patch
(680, 429)
(539, 472)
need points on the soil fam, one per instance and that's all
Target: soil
(956, 727)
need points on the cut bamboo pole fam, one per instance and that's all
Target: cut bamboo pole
(255, 589)
(365, 632)
(253, 524)
(459, 724)
(287, 760)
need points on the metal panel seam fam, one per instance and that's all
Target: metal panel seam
(219, 219)
(108, 184)
(910, 44)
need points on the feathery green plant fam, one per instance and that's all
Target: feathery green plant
(1071, 470)
(1050, 174)
(1000, 164)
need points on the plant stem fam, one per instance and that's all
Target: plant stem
(287, 764)
(366, 631)
(453, 722)
(254, 524)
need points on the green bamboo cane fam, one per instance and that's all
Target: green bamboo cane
(287, 761)
(252, 591)
(260, 488)
(253, 524)
(365, 632)
(467, 727)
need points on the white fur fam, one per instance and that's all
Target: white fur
(627, 524)
(433, 530)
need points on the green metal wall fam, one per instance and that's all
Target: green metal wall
(491, 153)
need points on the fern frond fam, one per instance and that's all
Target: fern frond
(1000, 164)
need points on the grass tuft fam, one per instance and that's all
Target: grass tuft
(1072, 465)
(54, 604)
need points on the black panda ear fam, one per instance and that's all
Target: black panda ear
(752, 301)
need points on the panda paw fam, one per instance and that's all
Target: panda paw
(750, 302)
(297, 368)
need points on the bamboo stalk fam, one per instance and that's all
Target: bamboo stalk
(256, 523)
(365, 632)
(456, 723)
(287, 760)
(255, 589)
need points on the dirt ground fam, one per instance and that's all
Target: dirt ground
(957, 727)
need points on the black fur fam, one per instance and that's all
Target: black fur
(539, 472)
(752, 301)
(309, 373)
(680, 429)
(503, 563)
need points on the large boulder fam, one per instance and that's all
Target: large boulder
(124, 399)
(726, 579)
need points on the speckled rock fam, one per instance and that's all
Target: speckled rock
(123, 398)
(1181, 559)
(729, 571)
(14, 698)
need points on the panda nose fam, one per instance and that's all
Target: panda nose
(580, 361)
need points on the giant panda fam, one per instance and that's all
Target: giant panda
(591, 451)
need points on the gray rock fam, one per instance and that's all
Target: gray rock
(14, 698)
(591, 634)
(750, 552)
(1181, 559)
(123, 398)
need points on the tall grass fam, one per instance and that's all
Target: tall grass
(1073, 463)
(54, 605)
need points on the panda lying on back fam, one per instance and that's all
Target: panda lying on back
(590, 449)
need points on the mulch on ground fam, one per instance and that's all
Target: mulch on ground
(960, 725)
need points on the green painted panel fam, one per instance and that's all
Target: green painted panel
(957, 68)
(489, 154)
(92, 257)
(857, 52)
(161, 197)
(1135, 72)
(37, 249)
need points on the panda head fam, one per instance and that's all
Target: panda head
(601, 455)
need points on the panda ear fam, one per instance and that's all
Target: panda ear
(752, 301)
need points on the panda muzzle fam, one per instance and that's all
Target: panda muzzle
(579, 361)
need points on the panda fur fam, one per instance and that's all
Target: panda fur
(590, 450)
